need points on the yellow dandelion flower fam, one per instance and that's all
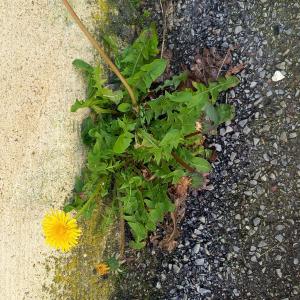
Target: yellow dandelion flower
(102, 269)
(61, 230)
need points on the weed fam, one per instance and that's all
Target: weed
(138, 150)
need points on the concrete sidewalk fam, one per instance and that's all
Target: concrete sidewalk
(40, 147)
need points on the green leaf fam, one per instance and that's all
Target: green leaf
(225, 112)
(130, 218)
(84, 104)
(100, 110)
(113, 96)
(123, 142)
(200, 87)
(220, 113)
(126, 124)
(92, 103)
(88, 210)
(180, 97)
(212, 113)
(86, 126)
(156, 215)
(124, 107)
(137, 245)
(98, 80)
(174, 82)
(202, 165)
(110, 42)
(78, 184)
(223, 84)
(82, 65)
(150, 226)
(171, 140)
(138, 230)
(141, 52)
(130, 204)
(68, 208)
(197, 181)
(143, 79)
(148, 139)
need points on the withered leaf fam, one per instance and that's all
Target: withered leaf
(235, 70)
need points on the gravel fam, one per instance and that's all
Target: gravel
(239, 240)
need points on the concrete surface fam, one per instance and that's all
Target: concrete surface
(40, 147)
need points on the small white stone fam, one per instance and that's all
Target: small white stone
(279, 238)
(199, 262)
(196, 249)
(218, 147)
(279, 273)
(255, 141)
(238, 29)
(278, 76)
(256, 221)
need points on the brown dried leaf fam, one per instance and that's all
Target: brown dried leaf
(208, 65)
(235, 70)
(147, 174)
(181, 189)
(179, 194)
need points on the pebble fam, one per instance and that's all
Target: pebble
(176, 269)
(262, 244)
(262, 74)
(243, 122)
(279, 273)
(203, 291)
(283, 137)
(246, 130)
(255, 141)
(199, 262)
(279, 238)
(281, 66)
(218, 147)
(238, 217)
(196, 249)
(256, 221)
(233, 156)
(236, 249)
(280, 227)
(229, 129)
(238, 29)
(253, 258)
(278, 76)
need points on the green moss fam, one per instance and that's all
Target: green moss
(74, 274)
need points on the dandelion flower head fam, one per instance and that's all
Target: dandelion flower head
(60, 230)
(102, 269)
